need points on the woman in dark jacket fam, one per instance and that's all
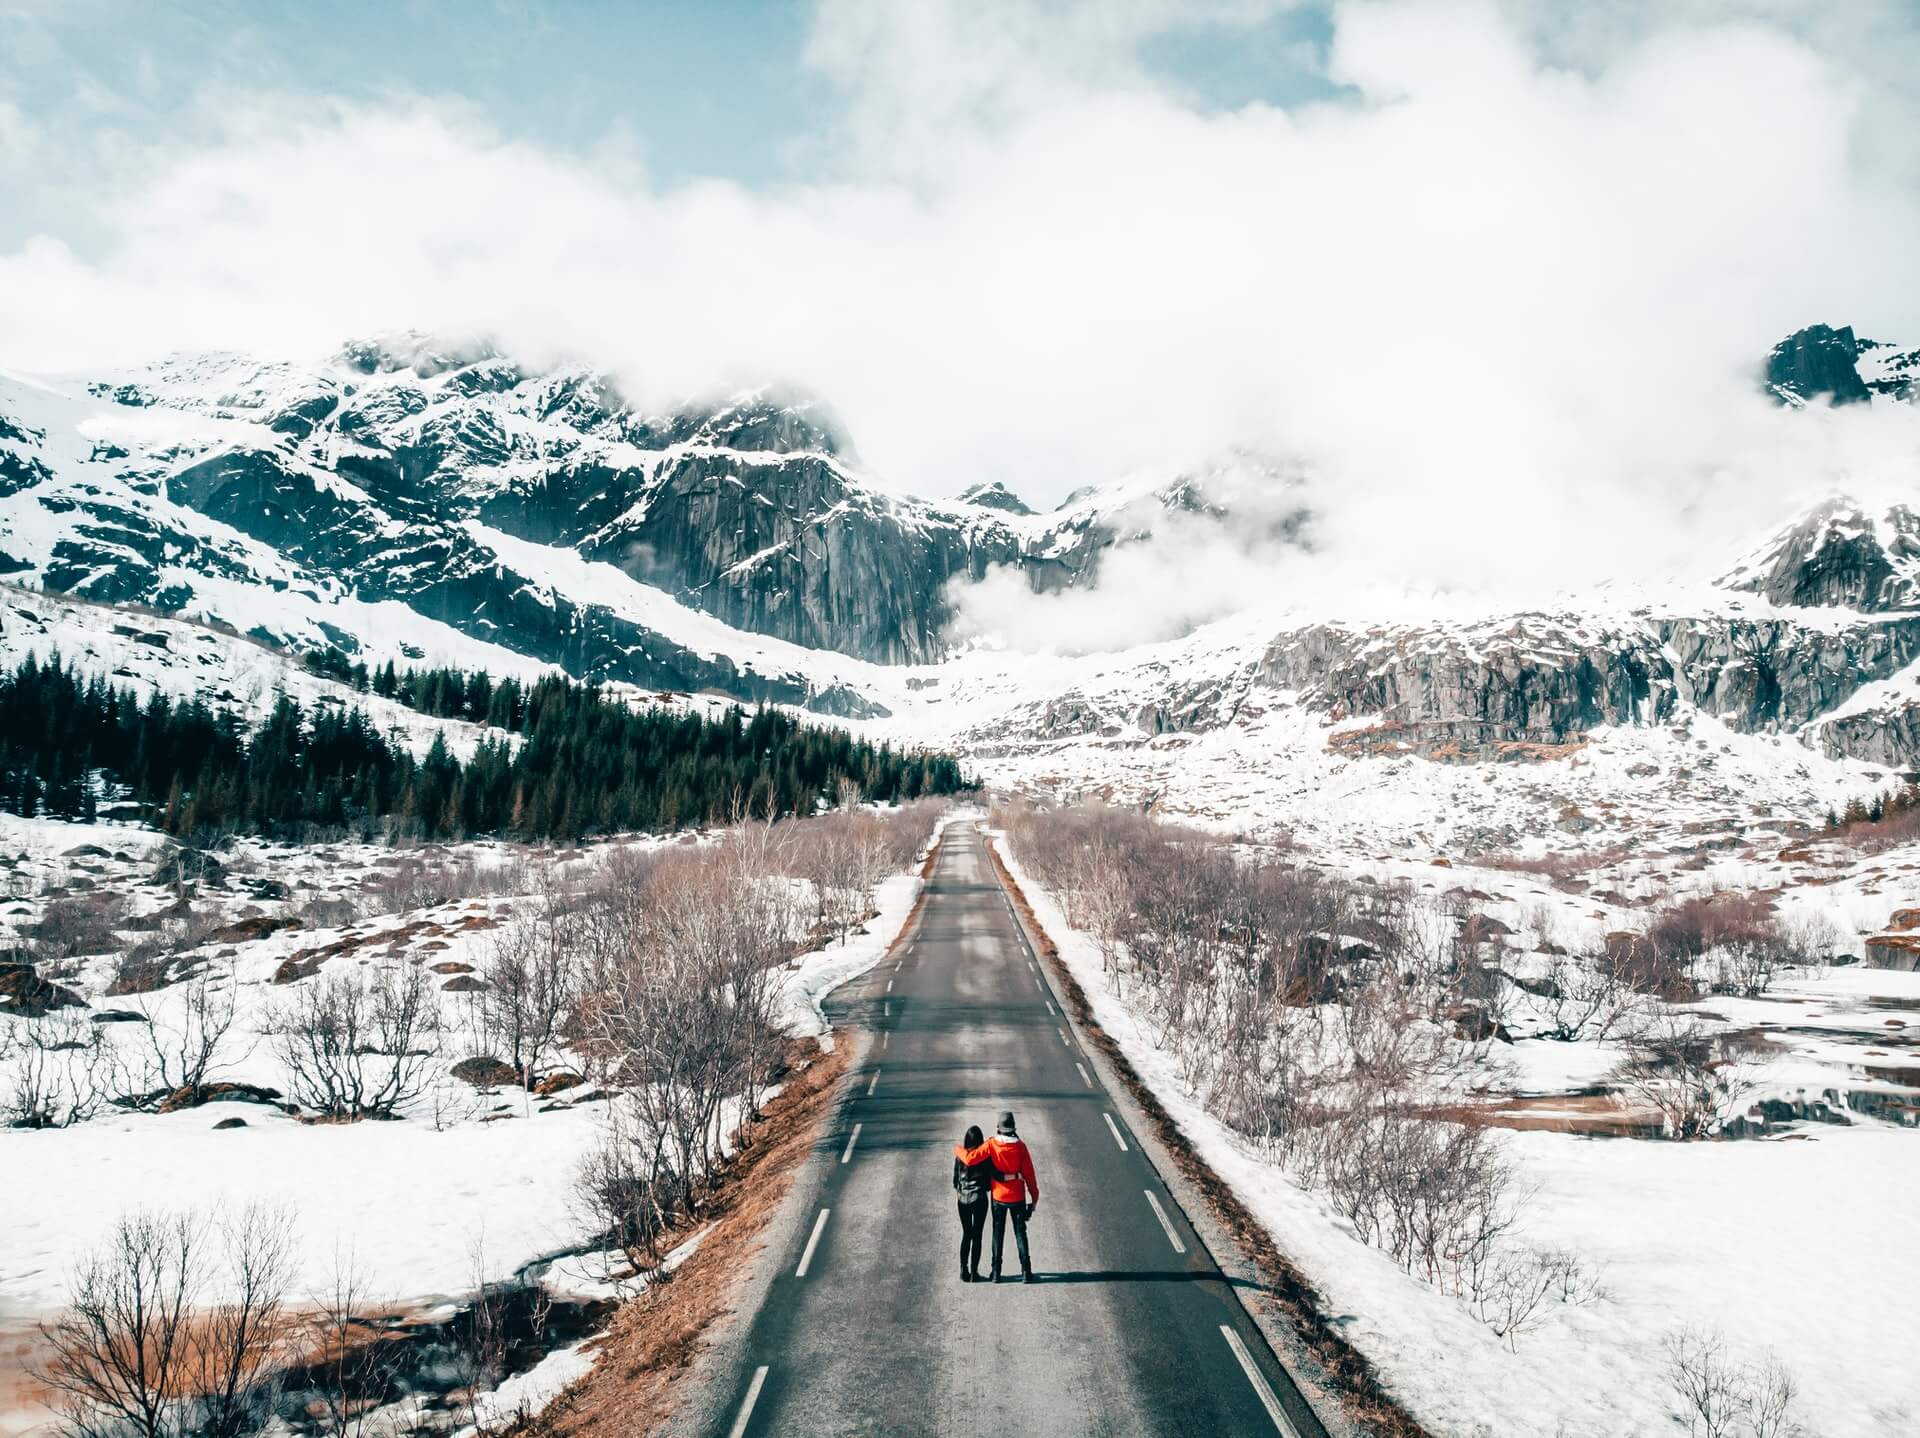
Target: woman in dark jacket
(972, 1177)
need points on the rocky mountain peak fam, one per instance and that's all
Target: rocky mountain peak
(1814, 362)
(993, 494)
(1838, 555)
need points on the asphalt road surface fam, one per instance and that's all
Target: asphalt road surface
(867, 1328)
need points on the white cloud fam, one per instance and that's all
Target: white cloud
(1505, 313)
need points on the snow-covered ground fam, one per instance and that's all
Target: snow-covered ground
(1795, 1245)
(405, 1204)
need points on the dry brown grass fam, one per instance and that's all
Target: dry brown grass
(1349, 1373)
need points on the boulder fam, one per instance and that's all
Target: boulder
(25, 994)
(485, 1071)
(1894, 951)
(463, 984)
(235, 1122)
(194, 1095)
(557, 1082)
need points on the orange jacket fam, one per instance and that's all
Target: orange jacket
(1014, 1180)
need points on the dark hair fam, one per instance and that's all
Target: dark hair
(973, 1138)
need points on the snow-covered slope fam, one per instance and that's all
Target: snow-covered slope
(431, 502)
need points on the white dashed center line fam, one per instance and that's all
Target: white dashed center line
(1083, 1075)
(1259, 1382)
(854, 1138)
(746, 1409)
(1158, 1212)
(819, 1227)
(873, 1083)
(1112, 1128)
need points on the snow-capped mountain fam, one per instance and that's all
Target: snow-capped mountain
(408, 500)
(471, 491)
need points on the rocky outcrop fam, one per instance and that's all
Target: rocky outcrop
(1838, 555)
(1816, 362)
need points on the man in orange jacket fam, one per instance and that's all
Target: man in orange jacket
(1016, 1192)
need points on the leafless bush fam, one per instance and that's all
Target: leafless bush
(79, 924)
(431, 877)
(615, 1193)
(120, 1356)
(351, 1381)
(1557, 865)
(1721, 1397)
(533, 980)
(183, 1042)
(1585, 998)
(1511, 1292)
(1687, 1074)
(62, 1073)
(138, 1352)
(327, 911)
(359, 1044)
(241, 1339)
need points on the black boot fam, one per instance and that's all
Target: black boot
(976, 1275)
(1027, 1274)
(996, 1275)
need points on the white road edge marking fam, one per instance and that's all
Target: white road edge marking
(746, 1409)
(1259, 1382)
(889, 985)
(1083, 1075)
(885, 1034)
(819, 1225)
(1063, 1038)
(1158, 1212)
(1038, 985)
(873, 1083)
(854, 1138)
(1112, 1128)
(1050, 1008)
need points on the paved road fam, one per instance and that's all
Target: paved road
(867, 1328)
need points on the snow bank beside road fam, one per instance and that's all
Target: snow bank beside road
(819, 974)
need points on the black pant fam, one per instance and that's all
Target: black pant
(973, 1222)
(1018, 1211)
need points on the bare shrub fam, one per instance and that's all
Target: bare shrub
(75, 925)
(1512, 1292)
(1687, 1074)
(120, 1357)
(138, 1352)
(239, 1340)
(1584, 998)
(1720, 1396)
(533, 978)
(183, 1043)
(352, 1383)
(62, 1073)
(359, 1044)
(614, 1193)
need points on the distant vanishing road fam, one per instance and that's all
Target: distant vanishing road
(864, 1326)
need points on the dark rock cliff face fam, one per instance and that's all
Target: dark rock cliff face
(1839, 556)
(1814, 362)
(1543, 680)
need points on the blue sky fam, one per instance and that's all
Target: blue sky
(720, 89)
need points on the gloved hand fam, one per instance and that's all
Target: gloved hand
(1032, 1204)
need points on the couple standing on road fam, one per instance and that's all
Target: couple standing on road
(1000, 1170)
